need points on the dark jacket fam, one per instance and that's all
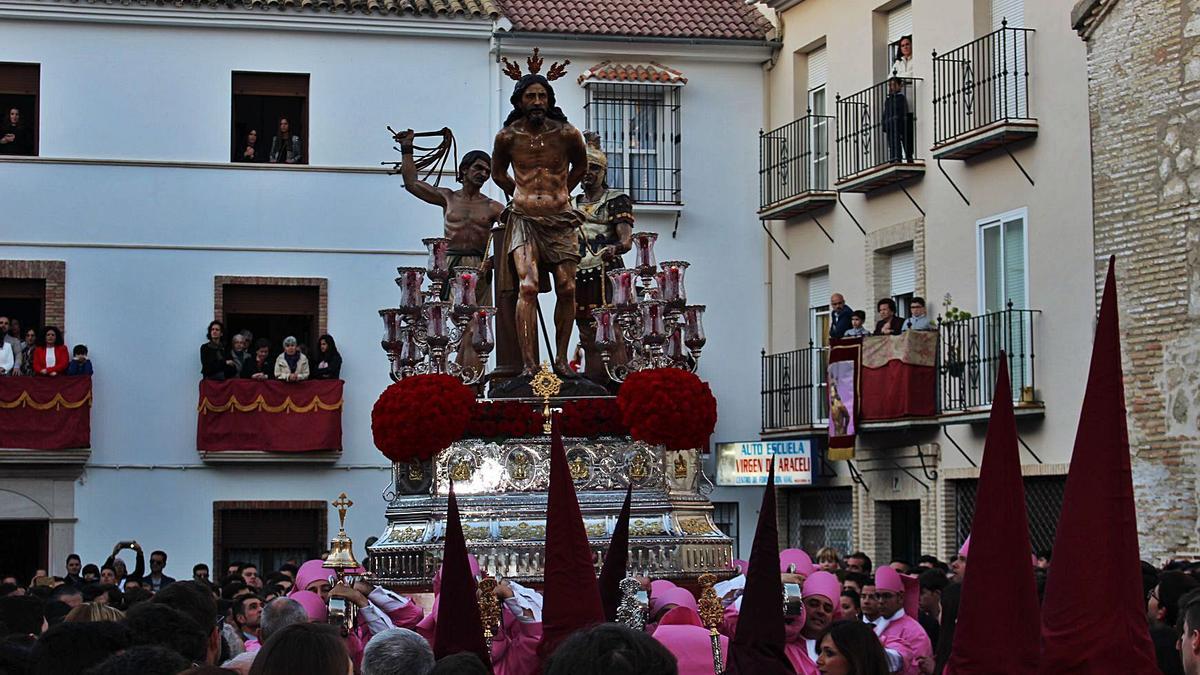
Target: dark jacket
(839, 321)
(896, 322)
(332, 369)
(77, 368)
(287, 151)
(148, 582)
(212, 362)
(250, 367)
(22, 145)
(139, 565)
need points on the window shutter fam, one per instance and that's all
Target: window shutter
(903, 272)
(818, 67)
(270, 84)
(19, 78)
(818, 289)
(1012, 10)
(899, 22)
(1014, 263)
(267, 299)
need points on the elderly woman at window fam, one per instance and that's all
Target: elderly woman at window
(291, 366)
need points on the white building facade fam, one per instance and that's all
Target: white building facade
(140, 229)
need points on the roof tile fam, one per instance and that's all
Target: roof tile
(475, 9)
(712, 19)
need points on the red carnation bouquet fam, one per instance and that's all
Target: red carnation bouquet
(497, 420)
(419, 416)
(591, 417)
(669, 407)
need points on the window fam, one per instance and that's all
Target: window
(818, 331)
(903, 279)
(818, 73)
(725, 515)
(1002, 262)
(24, 300)
(820, 517)
(267, 534)
(639, 129)
(19, 84)
(260, 102)
(273, 312)
(1012, 59)
(899, 24)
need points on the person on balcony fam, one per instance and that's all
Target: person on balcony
(903, 65)
(27, 348)
(839, 316)
(240, 353)
(8, 361)
(249, 150)
(291, 365)
(919, 319)
(15, 346)
(889, 323)
(285, 146)
(215, 362)
(897, 122)
(857, 319)
(329, 361)
(259, 367)
(16, 138)
(80, 365)
(50, 358)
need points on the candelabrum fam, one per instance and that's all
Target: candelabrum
(648, 319)
(431, 329)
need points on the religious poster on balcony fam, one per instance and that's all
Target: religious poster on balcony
(741, 464)
(844, 392)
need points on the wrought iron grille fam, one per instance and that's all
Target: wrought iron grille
(877, 126)
(969, 356)
(1043, 503)
(794, 159)
(639, 129)
(821, 517)
(725, 516)
(981, 83)
(793, 389)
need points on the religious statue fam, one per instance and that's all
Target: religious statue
(468, 215)
(607, 233)
(548, 160)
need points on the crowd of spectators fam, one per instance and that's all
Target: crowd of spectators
(293, 364)
(845, 322)
(41, 353)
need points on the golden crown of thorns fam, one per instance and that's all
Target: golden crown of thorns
(534, 62)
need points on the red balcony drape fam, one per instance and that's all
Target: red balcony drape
(269, 416)
(46, 413)
(899, 376)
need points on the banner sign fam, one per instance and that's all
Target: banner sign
(844, 391)
(749, 463)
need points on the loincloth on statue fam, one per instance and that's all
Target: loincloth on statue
(483, 289)
(554, 237)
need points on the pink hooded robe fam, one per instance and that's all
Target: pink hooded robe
(684, 635)
(903, 634)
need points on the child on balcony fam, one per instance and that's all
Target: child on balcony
(856, 325)
(80, 365)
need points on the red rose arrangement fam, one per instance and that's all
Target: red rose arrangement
(503, 419)
(669, 407)
(419, 416)
(590, 417)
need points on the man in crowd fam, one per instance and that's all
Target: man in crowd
(932, 582)
(397, 651)
(919, 319)
(899, 632)
(200, 572)
(1162, 611)
(1189, 641)
(157, 580)
(839, 316)
(249, 574)
(74, 565)
(13, 342)
(247, 614)
(889, 323)
(858, 562)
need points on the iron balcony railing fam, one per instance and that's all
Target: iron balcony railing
(969, 358)
(981, 83)
(793, 389)
(877, 126)
(794, 159)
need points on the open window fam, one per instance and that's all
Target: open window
(267, 534)
(273, 312)
(24, 300)
(261, 103)
(19, 112)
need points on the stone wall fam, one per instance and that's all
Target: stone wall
(1144, 91)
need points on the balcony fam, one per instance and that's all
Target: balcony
(981, 95)
(877, 136)
(267, 421)
(911, 380)
(793, 174)
(46, 420)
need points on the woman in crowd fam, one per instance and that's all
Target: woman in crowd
(285, 146)
(249, 151)
(329, 361)
(312, 648)
(215, 361)
(851, 648)
(851, 604)
(259, 366)
(27, 351)
(51, 358)
(291, 366)
(92, 611)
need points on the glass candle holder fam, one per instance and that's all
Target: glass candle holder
(390, 333)
(606, 328)
(622, 288)
(410, 351)
(462, 289)
(673, 290)
(437, 325)
(410, 281)
(643, 246)
(483, 339)
(673, 349)
(653, 322)
(438, 266)
(693, 327)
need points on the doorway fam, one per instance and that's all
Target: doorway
(906, 530)
(29, 548)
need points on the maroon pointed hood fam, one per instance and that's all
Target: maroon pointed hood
(571, 595)
(999, 596)
(757, 647)
(1094, 615)
(616, 561)
(459, 628)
